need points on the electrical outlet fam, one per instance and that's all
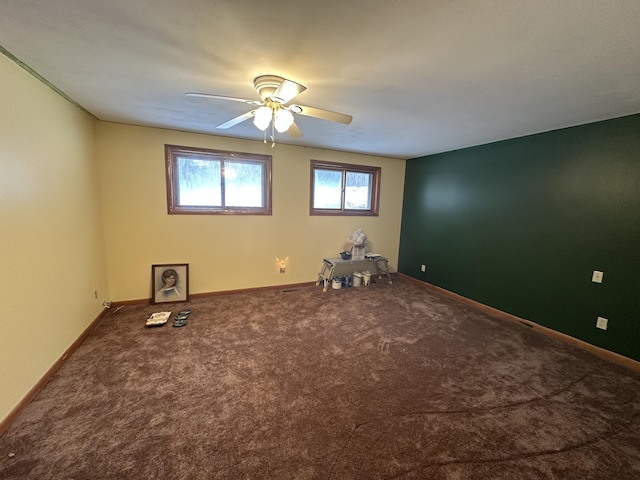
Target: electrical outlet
(602, 323)
(597, 276)
(423, 268)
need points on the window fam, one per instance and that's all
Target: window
(341, 189)
(201, 181)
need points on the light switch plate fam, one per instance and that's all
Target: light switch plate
(597, 276)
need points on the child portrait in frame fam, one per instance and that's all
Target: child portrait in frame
(170, 283)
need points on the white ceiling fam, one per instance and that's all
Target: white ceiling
(418, 76)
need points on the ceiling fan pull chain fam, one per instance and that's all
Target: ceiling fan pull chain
(273, 131)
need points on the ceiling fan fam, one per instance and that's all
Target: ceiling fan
(274, 108)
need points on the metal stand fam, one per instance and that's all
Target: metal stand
(337, 266)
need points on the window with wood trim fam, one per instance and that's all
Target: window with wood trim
(344, 189)
(203, 181)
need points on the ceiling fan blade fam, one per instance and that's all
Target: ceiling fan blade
(294, 131)
(236, 120)
(320, 113)
(221, 97)
(287, 91)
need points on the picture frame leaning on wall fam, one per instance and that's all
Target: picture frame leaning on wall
(169, 283)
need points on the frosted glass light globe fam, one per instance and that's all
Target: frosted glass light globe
(262, 117)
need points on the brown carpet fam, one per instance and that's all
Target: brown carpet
(379, 382)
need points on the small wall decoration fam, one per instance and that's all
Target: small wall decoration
(282, 264)
(170, 283)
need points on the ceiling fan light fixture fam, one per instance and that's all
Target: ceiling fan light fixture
(262, 117)
(283, 120)
(273, 110)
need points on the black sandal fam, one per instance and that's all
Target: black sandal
(179, 322)
(181, 318)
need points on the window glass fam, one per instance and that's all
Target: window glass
(357, 192)
(327, 189)
(243, 184)
(199, 182)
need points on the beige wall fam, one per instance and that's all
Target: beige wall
(51, 238)
(226, 252)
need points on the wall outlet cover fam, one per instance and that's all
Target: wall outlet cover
(602, 323)
(597, 276)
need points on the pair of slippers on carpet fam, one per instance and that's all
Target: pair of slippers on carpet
(181, 318)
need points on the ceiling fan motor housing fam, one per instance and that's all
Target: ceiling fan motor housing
(265, 85)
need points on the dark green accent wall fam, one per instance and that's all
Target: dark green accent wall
(521, 224)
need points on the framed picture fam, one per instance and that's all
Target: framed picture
(170, 283)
